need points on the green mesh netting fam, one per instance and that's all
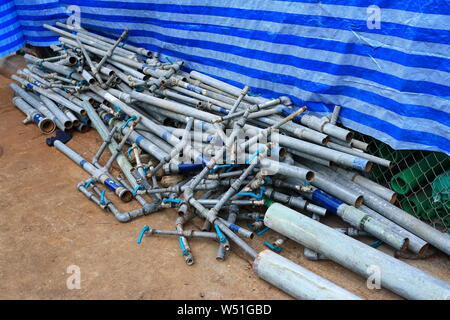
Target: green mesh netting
(420, 178)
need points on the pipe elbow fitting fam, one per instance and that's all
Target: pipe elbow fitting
(123, 217)
(285, 100)
(80, 185)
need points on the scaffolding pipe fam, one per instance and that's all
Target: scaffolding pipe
(415, 244)
(374, 159)
(51, 95)
(397, 276)
(45, 125)
(360, 220)
(297, 281)
(307, 120)
(75, 121)
(66, 71)
(61, 116)
(31, 99)
(97, 174)
(91, 40)
(294, 202)
(323, 182)
(381, 191)
(337, 157)
(424, 231)
(103, 131)
(141, 51)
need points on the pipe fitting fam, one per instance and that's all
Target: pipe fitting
(285, 100)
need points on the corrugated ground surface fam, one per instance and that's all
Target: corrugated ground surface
(46, 226)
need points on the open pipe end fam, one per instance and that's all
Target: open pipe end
(282, 152)
(309, 176)
(368, 167)
(47, 126)
(326, 140)
(405, 244)
(349, 137)
(92, 81)
(73, 60)
(189, 259)
(393, 198)
(359, 201)
(83, 128)
(126, 196)
(68, 124)
(76, 123)
(424, 249)
(83, 112)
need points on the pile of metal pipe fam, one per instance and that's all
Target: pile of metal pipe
(228, 155)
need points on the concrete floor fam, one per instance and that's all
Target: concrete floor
(46, 225)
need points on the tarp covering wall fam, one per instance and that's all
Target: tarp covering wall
(393, 82)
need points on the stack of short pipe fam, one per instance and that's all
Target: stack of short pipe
(239, 154)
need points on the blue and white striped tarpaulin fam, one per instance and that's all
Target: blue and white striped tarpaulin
(392, 82)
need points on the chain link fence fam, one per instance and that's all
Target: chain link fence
(421, 180)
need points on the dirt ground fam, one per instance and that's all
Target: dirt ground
(46, 225)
